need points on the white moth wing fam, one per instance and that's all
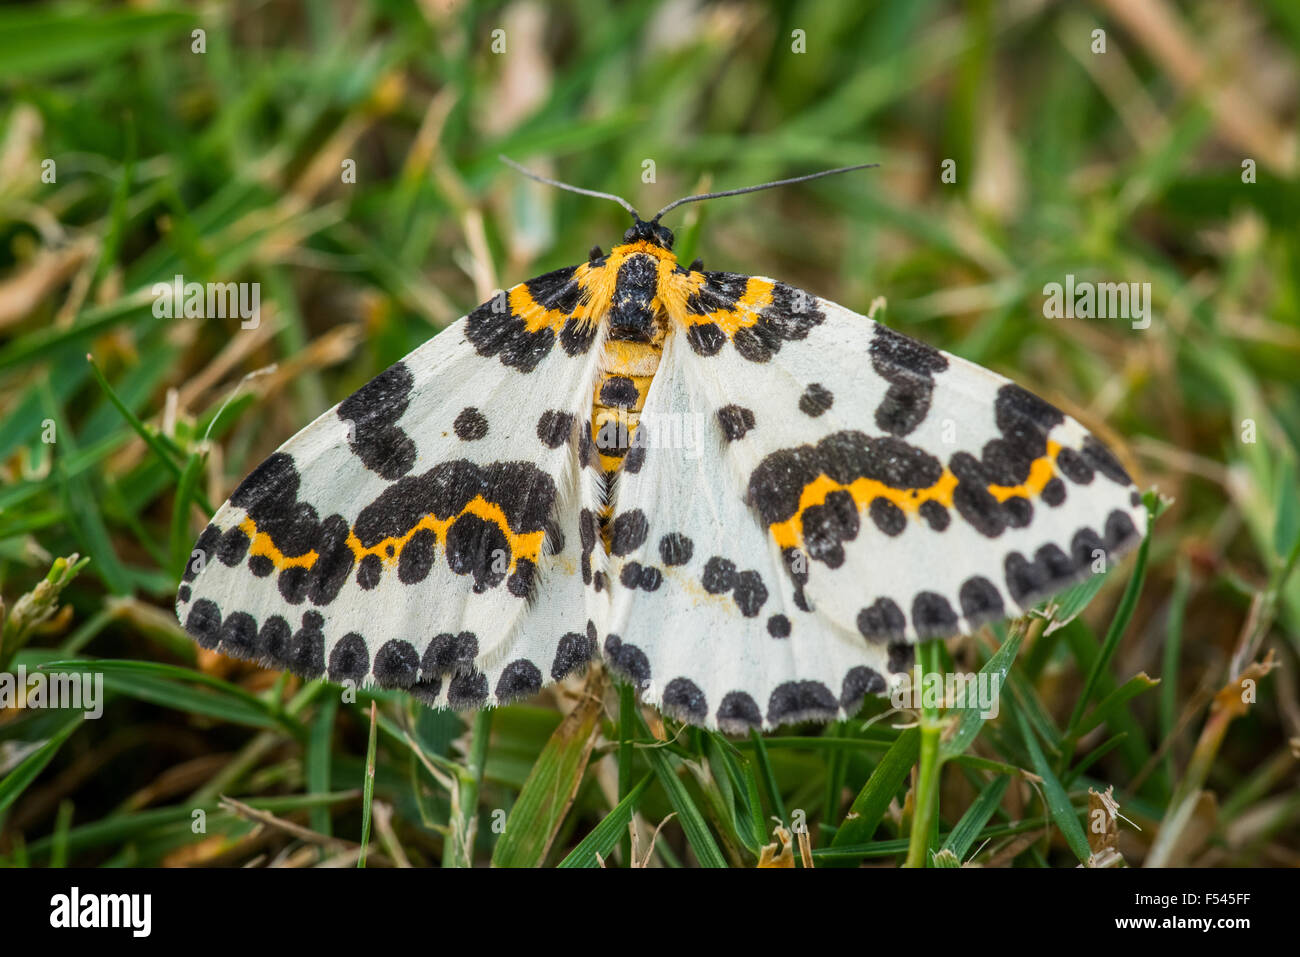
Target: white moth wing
(424, 533)
(702, 618)
(913, 494)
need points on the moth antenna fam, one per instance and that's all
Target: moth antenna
(753, 189)
(573, 189)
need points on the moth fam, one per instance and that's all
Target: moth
(748, 501)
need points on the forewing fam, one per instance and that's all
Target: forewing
(424, 533)
(914, 494)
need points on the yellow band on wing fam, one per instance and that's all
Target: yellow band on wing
(522, 545)
(789, 534)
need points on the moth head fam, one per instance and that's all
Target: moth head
(651, 232)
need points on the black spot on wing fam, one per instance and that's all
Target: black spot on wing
(397, 664)
(306, 649)
(675, 548)
(1053, 493)
(206, 549)
(238, 635)
(447, 653)
(815, 400)
(735, 421)
(932, 616)
(719, 575)
(349, 659)
(467, 690)
(902, 656)
(232, 546)
(628, 661)
(935, 515)
(887, 516)
(738, 713)
(635, 457)
(629, 532)
(750, 593)
(1104, 461)
(554, 428)
(334, 561)
(273, 641)
(470, 425)
(573, 652)
(859, 682)
(706, 338)
(369, 572)
(203, 623)
(827, 526)
(909, 367)
(801, 701)
(417, 557)
(882, 621)
(519, 679)
(373, 411)
(684, 700)
(980, 601)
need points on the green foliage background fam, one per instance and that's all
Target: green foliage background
(225, 165)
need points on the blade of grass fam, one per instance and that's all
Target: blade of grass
(602, 838)
(962, 837)
(925, 808)
(549, 790)
(873, 800)
(971, 717)
(770, 787)
(1058, 802)
(458, 849)
(1118, 624)
(318, 761)
(182, 538)
(16, 781)
(368, 787)
(691, 819)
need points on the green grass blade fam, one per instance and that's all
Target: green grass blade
(1118, 624)
(688, 815)
(1058, 802)
(318, 760)
(873, 800)
(599, 842)
(16, 781)
(971, 718)
(549, 790)
(368, 787)
(964, 835)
